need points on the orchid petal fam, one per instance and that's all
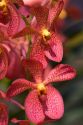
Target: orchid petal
(15, 20)
(55, 50)
(54, 103)
(37, 53)
(33, 108)
(19, 86)
(41, 14)
(55, 11)
(35, 68)
(62, 72)
(3, 114)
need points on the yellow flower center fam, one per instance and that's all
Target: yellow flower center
(45, 34)
(3, 5)
(41, 88)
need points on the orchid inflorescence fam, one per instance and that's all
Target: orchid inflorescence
(28, 40)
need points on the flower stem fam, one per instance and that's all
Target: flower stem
(17, 103)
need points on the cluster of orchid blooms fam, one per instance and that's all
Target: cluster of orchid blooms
(28, 40)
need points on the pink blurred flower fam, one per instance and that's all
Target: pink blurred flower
(44, 101)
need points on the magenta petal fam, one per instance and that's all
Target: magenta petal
(35, 68)
(62, 72)
(55, 105)
(33, 108)
(14, 21)
(19, 86)
(3, 114)
(55, 52)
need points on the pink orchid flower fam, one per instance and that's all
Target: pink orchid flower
(44, 101)
(3, 114)
(48, 40)
(10, 15)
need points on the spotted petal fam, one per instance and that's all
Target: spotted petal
(3, 114)
(33, 108)
(37, 53)
(19, 86)
(35, 68)
(14, 21)
(41, 14)
(55, 50)
(55, 11)
(54, 103)
(62, 72)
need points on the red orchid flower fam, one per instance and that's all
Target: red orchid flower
(50, 41)
(44, 101)
(3, 114)
(8, 12)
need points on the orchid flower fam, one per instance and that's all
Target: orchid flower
(10, 15)
(50, 41)
(44, 101)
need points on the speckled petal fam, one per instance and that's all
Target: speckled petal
(35, 68)
(19, 86)
(37, 53)
(55, 11)
(54, 103)
(33, 108)
(41, 14)
(14, 21)
(62, 72)
(3, 114)
(55, 51)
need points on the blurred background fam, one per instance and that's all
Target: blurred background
(71, 25)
